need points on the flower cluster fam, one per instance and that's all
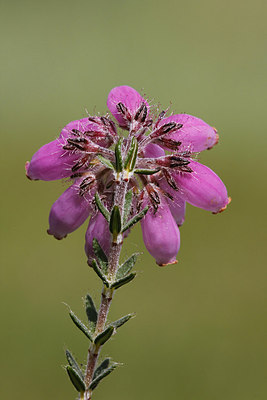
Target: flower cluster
(164, 175)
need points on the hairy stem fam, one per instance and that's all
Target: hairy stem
(107, 294)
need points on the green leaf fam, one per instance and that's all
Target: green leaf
(123, 281)
(126, 266)
(100, 255)
(131, 156)
(118, 156)
(99, 272)
(81, 326)
(146, 171)
(115, 221)
(103, 374)
(104, 211)
(101, 367)
(122, 321)
(135, 219)
(90, 311)
(75, 379)
(73, 363)
(105, 162)
(104, 336)
(127, 205)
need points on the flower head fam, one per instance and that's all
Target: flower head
(156, 158)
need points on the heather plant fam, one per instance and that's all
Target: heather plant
(142, 167)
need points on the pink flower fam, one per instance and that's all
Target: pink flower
(163, 181)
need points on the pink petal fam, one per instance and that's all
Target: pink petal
(129, 97)
(202, 188)
(69, 211)
(161, 234)
(177, 205)
(51, 162)
(195, 135)
(153, 150)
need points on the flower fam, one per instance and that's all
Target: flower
(163, 181)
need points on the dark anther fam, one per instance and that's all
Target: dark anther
(93, 119)
(168, 127)
(184, 168)
(141, 113)
(79, 164)
(121, 108)
(104, 121)
(78, 143)
(154, 197)
(85, 185)
(170, 143)
(170, 179)
(76, 132)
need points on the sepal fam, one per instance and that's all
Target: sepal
(76, 380)
(130, 159)
(126, 267)
(105, 162)
(115, 222)
(135, 219)
(104, 211)
(118, 156)
(146, 171)
(91, 312)
(80, 325)
(104, 336)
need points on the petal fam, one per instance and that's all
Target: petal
(153, 150)
(69, 211)
(51, 162)
(195, 134)
(161, 234)
(129, 97)
(202, 188)
(176, 204)
(98, 228)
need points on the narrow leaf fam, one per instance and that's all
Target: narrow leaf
(80, 325)
(73, 363)
(127, 205)
(123, 281)
(75, 379)
(101, 207)
(131, 156)
(103, 374)
(99, 272)
(135, 219)
(146, 171)
(90, 311)
(101, 367)
(122, 321)
(115, 221)
(126, 266)
(105, 162)
(104, 336)
(100, 255)
(118, 156)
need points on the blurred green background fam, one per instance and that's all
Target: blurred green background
(200, 326)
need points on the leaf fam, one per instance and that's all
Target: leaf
(99, 272)
(118, 156)
(131, 156)
(146, 171)
(104, 211)
(91, 311)
(101, 367)
(80, 325)
(126, 266)
(104, 336)
(100, 255)
(103, 374)
(73, 363)
(135, 219)
(115, 221)
(122, 321)
(105, 162)
(123, 281)
(127, 205)
(75, 379)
